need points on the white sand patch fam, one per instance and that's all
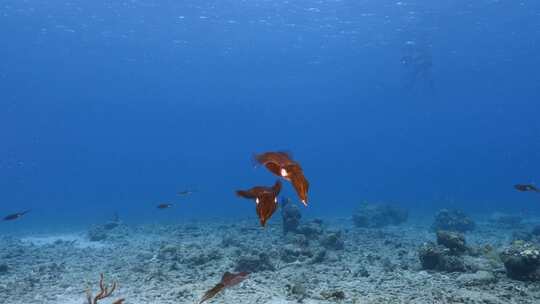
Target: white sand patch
(78, 240)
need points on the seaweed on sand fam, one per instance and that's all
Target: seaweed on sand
(104, 293)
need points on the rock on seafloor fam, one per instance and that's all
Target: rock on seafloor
(452, 240)
(522, 261)
(440, 258)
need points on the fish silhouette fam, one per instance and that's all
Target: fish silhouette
(164, 206)
(227, 280)
(15, 216)
(265, 200)
(281, 164)
(186, 192)
(526, 188)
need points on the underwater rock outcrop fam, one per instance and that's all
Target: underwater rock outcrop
(454, 241)
(312, 244)
(440, 258)
(290, 213)
(290, 253)
(309, 242)
(453, 220)
(333, 240)
(377, 216)
(522, 261)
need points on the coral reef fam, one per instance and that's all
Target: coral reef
(377, 216)
(437, 257)
(453, 220)
(522, 261)
(312, 244)
(454, 241)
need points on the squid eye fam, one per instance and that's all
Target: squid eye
(257, 200)
(284, 172)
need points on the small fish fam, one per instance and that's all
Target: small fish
(186, 192)
(164, 206)
(526, 188)
(281, 164)
(227, 280)
(15, 216)
(265, 200)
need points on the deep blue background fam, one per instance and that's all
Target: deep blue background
(109, 105)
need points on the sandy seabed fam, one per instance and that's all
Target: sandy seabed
(333, 262)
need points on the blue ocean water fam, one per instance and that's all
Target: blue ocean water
(115, 106)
